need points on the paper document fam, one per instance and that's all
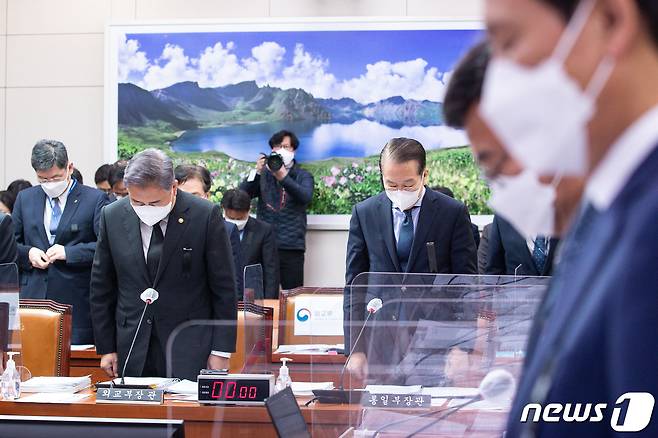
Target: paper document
(184, 387)
(82, 347)
(308, 348)
(306, 388)
(394, 389)
(56, 384)
(53, 397)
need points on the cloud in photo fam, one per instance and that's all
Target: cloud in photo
(271, 64)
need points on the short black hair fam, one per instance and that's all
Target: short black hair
(77, 175)
(278, 137)
(445, 190)
(8, 198)
(102, 173)
(465, 86)
(648, 11)
(117, 172)
(235, 199)
(183, 172)
(18, 185)
(402, 150)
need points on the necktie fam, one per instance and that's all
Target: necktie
(540, 253)
(155, 251)
(56, 215)
(405, 240)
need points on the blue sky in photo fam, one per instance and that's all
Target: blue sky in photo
(348, 52)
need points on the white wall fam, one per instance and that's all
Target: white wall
(51, 76)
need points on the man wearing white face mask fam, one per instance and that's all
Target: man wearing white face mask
(258, 243)
(528, 212)
(56, 225)
(284, 195)
(572, 91)
(168, 240)
(389, 232)
(196, 180)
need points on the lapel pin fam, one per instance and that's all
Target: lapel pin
(75, 201)
(181, 220)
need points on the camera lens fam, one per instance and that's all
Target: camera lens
(274, 162)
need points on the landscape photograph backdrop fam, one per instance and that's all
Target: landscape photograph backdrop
(215, 98)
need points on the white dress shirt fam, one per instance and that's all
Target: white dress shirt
(146, 232)
(48, 211)
(398, 216)
(622, 160)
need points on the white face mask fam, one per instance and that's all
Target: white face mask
(525, 203)
(240, 223)
(540, 113)
(403, 199)
(152, 214)
(287, 156)
(55, 188)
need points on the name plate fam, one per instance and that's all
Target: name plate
(397, 401)
(122, 395)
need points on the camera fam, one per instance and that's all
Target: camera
(274, 161)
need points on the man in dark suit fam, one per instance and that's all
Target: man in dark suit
(196, 180)
(509, 253)
(258, 243)
(7, 240)
(56, 225)
(389, 232)
(165, 239)
(594, 340)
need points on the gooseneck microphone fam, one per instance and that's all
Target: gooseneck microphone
(341, 395)
(373, 307)
(497, 386)
(149, 296)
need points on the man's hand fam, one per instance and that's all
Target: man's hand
(38, 258)
(56, 252)
(358, 366)
(279, 174)
(110, 364)
(457, 365)
(260, 164)
(217, 362)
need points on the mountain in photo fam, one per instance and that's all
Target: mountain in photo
(186, 105)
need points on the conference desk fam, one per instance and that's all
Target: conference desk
(324, 420)
(303, 368)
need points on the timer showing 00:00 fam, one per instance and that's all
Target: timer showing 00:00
(231, 391)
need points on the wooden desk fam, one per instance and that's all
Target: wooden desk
(84, 362)
(232, 421)
(200, 421)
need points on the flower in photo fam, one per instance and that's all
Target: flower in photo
(335, 171)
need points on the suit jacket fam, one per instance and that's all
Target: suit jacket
(195, 280)
(509, 249)
(371, 247)
(7, 240)
(66, 281)
(598, 341)
(259, 247)
(236, 252)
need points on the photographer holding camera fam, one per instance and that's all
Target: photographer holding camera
(284, 191)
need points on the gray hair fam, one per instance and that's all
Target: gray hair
(151, 167)
(49, 153)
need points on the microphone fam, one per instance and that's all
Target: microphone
(149, 296)
(340, 395)
(497, 386)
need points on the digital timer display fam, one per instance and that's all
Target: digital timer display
(235, 388)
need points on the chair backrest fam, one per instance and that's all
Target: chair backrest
(253, 350)
(46, 337)
(287, 300)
